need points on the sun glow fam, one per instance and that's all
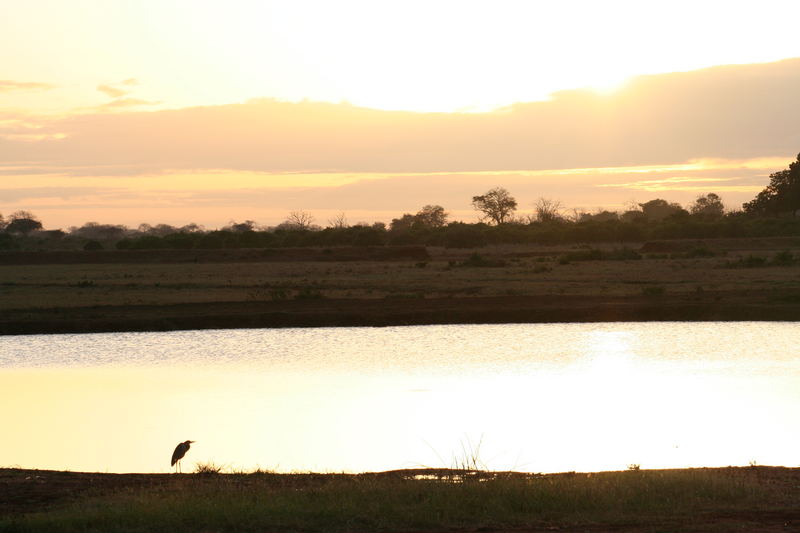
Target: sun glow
(423, 56)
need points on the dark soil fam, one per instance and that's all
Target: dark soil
(708, 306)
(243, 255)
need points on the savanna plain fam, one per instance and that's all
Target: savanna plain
(712, 279)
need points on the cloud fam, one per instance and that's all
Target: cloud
(732, 112)
(126, 102)
(688, 183)
(110, 91)
(9, 85)
(120, 96)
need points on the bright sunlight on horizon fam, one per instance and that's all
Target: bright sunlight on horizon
(356, 100)
(440, 56)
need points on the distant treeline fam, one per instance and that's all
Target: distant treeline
(454, 234)
(772, 213)
(461, 235)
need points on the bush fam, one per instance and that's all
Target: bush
(308, 294)
(784, 258)
(623, 254)
(7, 242)
(751, 261)
(459, 235)
(700, 252)
(584, 255)
(478, 261)
(653, 291)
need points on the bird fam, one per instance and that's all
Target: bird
(180, 451)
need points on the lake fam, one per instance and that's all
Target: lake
(528, 397)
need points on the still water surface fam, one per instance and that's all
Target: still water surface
(531, 397)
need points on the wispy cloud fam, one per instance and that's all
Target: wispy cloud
(116, 90)
(126, 103)
(112, 92)
(686, 183)
(119, 92)
(10, 85)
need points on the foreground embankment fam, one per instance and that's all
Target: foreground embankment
(742, 306)
(727, 279)
(756, 499)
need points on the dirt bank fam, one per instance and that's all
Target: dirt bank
(709, 306)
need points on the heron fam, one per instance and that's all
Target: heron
(180, 451)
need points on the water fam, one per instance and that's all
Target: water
(529, 397)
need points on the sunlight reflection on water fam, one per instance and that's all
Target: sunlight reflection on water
(537, 397)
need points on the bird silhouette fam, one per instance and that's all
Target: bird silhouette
(180, 451)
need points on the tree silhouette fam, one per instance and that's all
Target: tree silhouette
(403, 223)
(298, 221)
(659, 209)
(23, 222)
(430, 216)
(782, 195)
(709, 205)
(433, 216)
(547, 210)
(339, 221)
(496, 205)
(241, 227)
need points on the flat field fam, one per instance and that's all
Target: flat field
(733, 279)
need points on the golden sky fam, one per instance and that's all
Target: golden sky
(178, 111)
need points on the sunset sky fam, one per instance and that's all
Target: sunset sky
(206, 111)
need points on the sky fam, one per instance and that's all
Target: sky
(170, 111)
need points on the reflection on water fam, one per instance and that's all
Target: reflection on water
(543, 397)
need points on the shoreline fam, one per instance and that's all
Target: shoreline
(710, 306)
(751, 498)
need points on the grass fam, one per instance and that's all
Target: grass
(42, 286)
(594, 254)
(385, 502)
(208, 468)
(479, 261)
(28, 291)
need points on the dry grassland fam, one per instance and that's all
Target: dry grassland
(726, 270)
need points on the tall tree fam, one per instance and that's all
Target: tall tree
(547, 210)
(298, 220)
(782, 195)
(432, 216)
(659, 209)
(496, 205)
(403, 223)
(709, 205)
(23, 222)
(339, 221)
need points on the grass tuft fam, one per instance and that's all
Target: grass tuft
(208, 468)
